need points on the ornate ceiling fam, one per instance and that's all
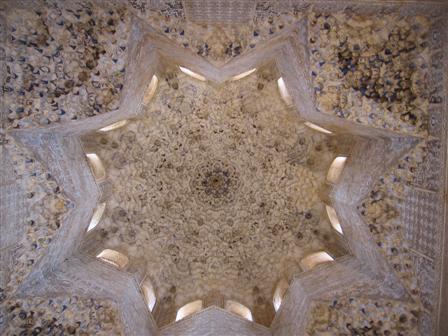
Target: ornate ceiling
(215, 190)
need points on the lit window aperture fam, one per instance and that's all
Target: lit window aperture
(149, 294)
(114, 126)
(317, 128)
(244, 74)
(279, 293)
(188, 309)
(192, 74)
(238, 309)
(97, 214)
(312, 260)
(283, 91)
(151, 89)
(113, 258)
(336, 168)
(97, 166)
(334, 220)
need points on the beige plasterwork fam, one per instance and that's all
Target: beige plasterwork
(67, 269)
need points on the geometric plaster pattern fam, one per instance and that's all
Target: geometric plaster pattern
(188, 203)
(67, 269)
(420, 210)
(60, 142)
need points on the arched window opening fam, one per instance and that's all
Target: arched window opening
(279, 293)
(244, 74)
(192, 74)
(149, 294)
(239, 309)
(97, 166)
(312, 260)
(97, 214)
(317, 128)
(283, 91)
(336, 168)
(114, 258)
(334, 220)
(114, 126)
(188, 309)
(151, 89)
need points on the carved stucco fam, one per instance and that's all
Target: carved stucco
(71, 273)
(217, 189)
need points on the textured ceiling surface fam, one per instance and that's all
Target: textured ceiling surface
(60, 66)
(207, 31)
(379, 64)
(216, 188)
(364, 317)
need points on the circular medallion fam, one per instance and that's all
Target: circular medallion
(215, 183)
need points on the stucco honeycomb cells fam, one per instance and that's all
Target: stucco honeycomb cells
(361, 316)
(218, 42)
(362, 66)
(381, 212)
(60, 316)
(178, 170)
(64, 61)
(42, 210)
(213, 192)
(215, 183)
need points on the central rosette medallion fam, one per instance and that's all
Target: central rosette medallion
(215, 182)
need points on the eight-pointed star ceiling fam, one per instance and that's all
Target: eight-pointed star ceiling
(214, 192)
(66, 267)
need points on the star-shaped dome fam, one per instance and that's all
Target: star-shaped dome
(215, 188)
(251, 168)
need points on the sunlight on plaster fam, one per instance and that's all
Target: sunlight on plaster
(114, 126)
(283, 91)
(114, 258)
(97, 166)
(317, 128)
(149, 294)
(192, 74)
(333, 217)
(312, 260)
(279, 293)
(188, 309)
(244, 74)
(335, 171)
(98, 213)
(238, 309)
(151, 90)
